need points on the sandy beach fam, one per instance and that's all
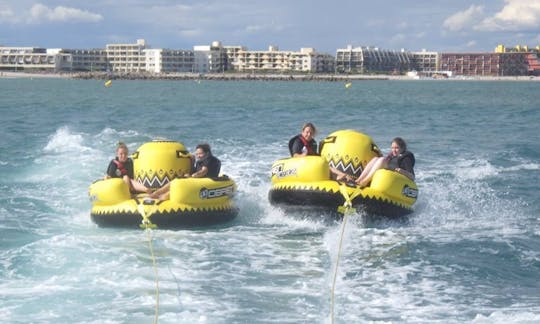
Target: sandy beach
(33, 75)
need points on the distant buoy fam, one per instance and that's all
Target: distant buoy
(348, 85)
(108, 83)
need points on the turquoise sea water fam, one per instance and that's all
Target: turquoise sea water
(470, 253)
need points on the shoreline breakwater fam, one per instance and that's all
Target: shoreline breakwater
(247, 76)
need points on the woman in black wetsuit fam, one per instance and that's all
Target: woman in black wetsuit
(399, 160)
(304, 144)
(122, 167)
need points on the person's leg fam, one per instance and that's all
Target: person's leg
(139, 187)
(379, 164)
(161, 191)
(337, 174)
(165, 196)
(367, 169)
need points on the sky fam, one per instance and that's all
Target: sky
(413, 25)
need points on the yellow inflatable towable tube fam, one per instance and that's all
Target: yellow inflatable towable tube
(306, 181)
(193, 201)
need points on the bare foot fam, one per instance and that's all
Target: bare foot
(363, 183)
(340, 177)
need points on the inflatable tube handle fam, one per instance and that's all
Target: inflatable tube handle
(328, 139)
(376, 149)
(182, 154)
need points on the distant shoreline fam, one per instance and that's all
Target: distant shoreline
(248, 77)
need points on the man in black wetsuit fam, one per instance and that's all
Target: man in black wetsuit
(206, 166)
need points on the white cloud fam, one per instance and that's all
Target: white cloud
(421, 34)
(264, 28)
(515, 15)
(463, 19)
(191, 32)
(398, 38)
(41, 13)
(471, 43)
(7, 15)
(254, 28)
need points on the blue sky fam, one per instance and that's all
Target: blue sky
(436, 25)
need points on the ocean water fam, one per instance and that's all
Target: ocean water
(470, 252)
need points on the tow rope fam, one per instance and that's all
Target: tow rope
(148, 226)
(146, 222)
(156, 278)
(346, 209)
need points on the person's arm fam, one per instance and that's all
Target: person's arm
(201, 173)
(297, 148)
(406, 168)
(111, 169)
(405, 173)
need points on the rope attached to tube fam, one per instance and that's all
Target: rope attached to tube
(148, 226)
(346, 210)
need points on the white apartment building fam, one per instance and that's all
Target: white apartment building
(231, 54)
(425, 62)
(169, 61)
(371, 60)
(274, 60)
(210, 59)
(125, 58)
(314, 62)
(89, 60)
(34, 59)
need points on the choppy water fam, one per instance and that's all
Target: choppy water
(469, 253)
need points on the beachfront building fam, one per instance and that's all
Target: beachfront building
(34, 59)
(532, 55)
(349, 60)
(485, 64)
(313, 61)
(169, 61)
(372, 60)
(231, 55)
(127, 58)
(307, 60)
(272, 60)
(425, 63)
(210, 58)
(88, 60)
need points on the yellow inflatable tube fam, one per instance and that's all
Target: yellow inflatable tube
(193, 201)
(306, 181)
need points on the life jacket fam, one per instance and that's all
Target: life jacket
(212, 163)
(310, 147)
(120, 166)
(395, 161)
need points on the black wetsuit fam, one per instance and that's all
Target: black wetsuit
(297, 144)
(403, 161)
(118, 169)
(212, 163)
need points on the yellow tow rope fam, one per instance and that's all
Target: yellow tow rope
(346, 210)
(151, 248)
(146, 222)
(148, 226)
